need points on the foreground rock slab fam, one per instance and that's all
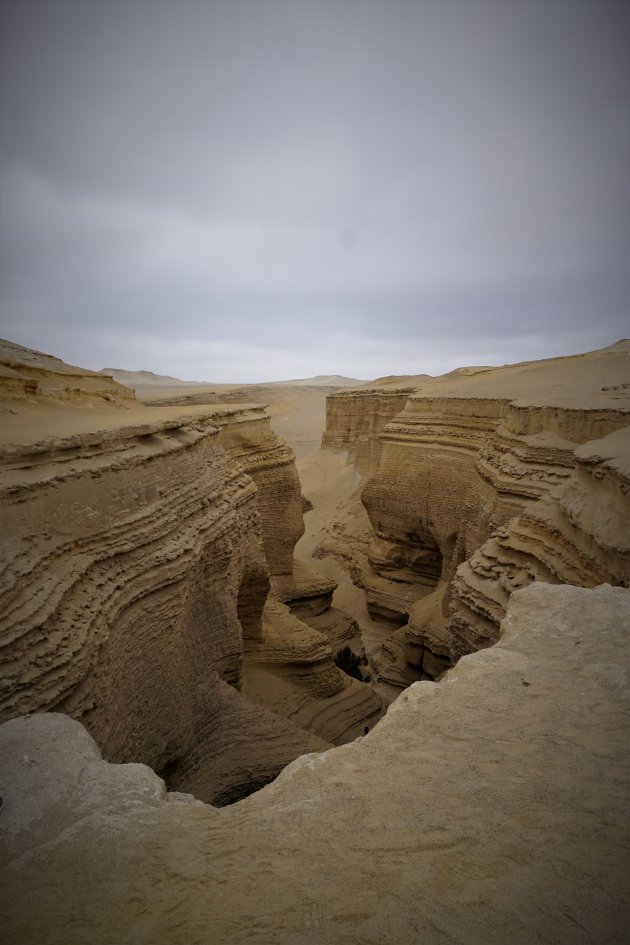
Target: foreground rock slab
(490, 807)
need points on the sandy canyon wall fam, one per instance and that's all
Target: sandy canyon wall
(138, 549)
(355, 418)
(486, 480)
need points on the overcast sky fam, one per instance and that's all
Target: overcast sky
(262, 189)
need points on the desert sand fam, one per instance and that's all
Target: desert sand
(297, 408)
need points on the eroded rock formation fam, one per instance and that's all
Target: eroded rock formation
(488, 808)
(486, 480)
(355, 418)
(138, 549)
(149, 590)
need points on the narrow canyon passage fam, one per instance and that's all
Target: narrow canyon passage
(332, 485)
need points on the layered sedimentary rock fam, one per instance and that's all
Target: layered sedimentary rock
(482, 483)
(137, 549)
(292, 672)
(306, 591)
(490, 807)
(301, 682)
(133, 578)
(246, 434)
(355, 418)
(36, 374)
(579, 534)
(298, 413)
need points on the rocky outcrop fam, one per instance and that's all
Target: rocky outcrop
(137, 550)
(133, 579)
(291, 671)
(488, 808)
(483, 482)
(355, 418)
(579, 534)
(300, 681)
(246, 434)
(306, 591)
(297, 412)
(33, 374)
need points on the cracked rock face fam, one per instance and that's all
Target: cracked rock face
(490, 807)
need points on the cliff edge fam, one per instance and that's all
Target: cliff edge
(490, 807)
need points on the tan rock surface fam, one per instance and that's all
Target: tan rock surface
(355, 418)
(137, 547)
(337, 531)
(245, 432)
(488, 808)
(579, 534)
(292, 673)
(448, 474)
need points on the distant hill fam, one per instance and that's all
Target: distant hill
(136, 379)
(322, 380)
(146, 378)
(397, 380)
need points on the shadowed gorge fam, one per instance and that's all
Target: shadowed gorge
(174, 607)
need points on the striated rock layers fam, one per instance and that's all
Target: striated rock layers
(486, 480)
(488, 808)
(355, 418)
(137, 550)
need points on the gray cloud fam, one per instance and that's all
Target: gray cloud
(259, 189)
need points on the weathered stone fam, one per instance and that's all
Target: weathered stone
(486, 480)
(488, 808)
(137, 549)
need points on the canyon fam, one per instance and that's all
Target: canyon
(140, 545)
(477, 483)
(174, 642)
